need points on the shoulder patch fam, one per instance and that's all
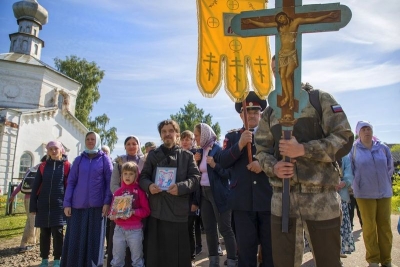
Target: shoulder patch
(336, 108)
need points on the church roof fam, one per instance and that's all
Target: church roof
(67, 114)
(30, 60)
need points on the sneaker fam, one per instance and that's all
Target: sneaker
(220, 252)
(24, 249)
(56, 263)
(199, 249)
(45, 263)
(343, 255)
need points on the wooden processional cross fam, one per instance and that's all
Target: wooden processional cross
(287, 22)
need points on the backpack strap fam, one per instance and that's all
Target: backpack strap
(67, 167)
(314, 101)
(269, 112)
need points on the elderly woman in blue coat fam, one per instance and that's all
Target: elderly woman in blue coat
(46, 201)
(86, 204)
(372, 166)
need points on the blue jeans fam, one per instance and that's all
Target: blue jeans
(132, 238)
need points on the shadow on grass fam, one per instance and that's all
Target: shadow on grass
(12, 230)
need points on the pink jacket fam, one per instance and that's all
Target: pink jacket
(140, 205)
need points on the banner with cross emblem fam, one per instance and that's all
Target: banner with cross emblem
(223, 53)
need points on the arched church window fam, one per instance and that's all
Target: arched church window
(28, 29)
(20, 28)
(24, 164)
(14, 45)
(34, 32)
(24, 46)
(36, 49)
(60, 101)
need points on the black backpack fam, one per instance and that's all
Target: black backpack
(27, 181)
(314, 101)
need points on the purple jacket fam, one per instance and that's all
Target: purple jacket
(89, 182)
(372, 170)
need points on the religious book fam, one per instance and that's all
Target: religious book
(165, 176)
(121, 206)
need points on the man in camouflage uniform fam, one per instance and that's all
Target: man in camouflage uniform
(314, 203)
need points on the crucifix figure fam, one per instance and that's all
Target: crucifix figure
(287, 29)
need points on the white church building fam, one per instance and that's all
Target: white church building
(37, 102)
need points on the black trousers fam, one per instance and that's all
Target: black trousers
(45, 240)
(194, 234)
(253, 228)
(353, 204)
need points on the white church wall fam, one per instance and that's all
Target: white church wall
(36, 130)
(61, 83)
(20, 85)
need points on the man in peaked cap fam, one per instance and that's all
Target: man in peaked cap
(250, 195)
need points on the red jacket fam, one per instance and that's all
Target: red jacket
(140, 205)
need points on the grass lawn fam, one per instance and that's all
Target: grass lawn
(12, 225)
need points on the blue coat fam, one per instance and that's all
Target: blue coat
(219, 182)
(48, 194)
(89, 182)
(347, 178)
(250, 191)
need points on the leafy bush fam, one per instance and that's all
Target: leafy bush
(396, 192)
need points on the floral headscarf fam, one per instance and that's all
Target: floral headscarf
(207, 137)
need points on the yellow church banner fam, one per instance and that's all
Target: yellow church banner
(222, 53)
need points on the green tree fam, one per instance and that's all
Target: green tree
(191, 115)
(90, 76)
(108, 137)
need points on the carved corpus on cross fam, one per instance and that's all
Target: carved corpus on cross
(287, 22)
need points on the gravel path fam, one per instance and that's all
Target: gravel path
(9, 256)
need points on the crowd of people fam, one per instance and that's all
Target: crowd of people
(146, 209)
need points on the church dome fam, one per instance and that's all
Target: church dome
(31, 10)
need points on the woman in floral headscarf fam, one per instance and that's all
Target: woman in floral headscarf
(214, 197)
(86, 204)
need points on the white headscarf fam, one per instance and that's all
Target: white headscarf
(96, 147)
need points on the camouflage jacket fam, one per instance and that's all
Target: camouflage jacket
(315, 167)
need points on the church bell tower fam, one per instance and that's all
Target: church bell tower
(30, 17)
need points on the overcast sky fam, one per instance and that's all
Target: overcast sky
(148, 50)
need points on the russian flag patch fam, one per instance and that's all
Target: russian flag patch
(336, 108)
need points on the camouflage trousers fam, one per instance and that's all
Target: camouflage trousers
(315, 214)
